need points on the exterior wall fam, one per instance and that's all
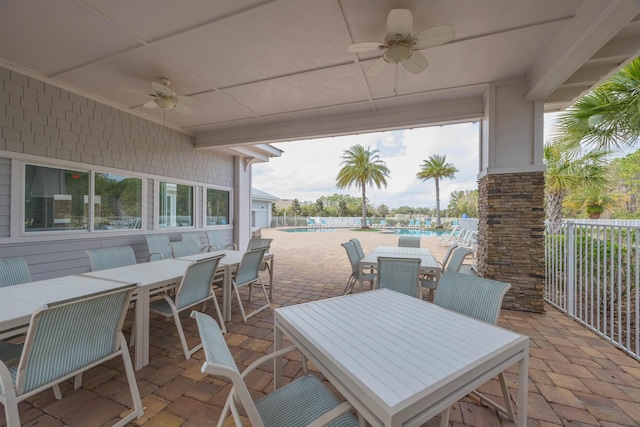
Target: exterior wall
(511, 236)
(262, 210)
(39, 122)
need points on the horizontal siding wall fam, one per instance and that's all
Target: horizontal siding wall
(42, 120)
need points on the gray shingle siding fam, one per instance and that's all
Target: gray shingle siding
(39, 119)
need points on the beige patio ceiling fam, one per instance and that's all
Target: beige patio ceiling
(270, 71)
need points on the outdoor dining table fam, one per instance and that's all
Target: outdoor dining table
(152, 278)
(400, 360)
(428, 264)
(156, 277)
(19, 302)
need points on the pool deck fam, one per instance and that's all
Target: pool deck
(575, 378)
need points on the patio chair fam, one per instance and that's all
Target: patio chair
(482, 299)
(65, 339)
(409, 242)
(14, 271)
(257, 242)
(302, 401)
(429, 281)
(184, 248)
(383, 223)
(450, 238)
(195, 288)
(411, 224)
(217, 243)
(248, 274)
(354, 260)
(195, 238)
(399, 274)
(104, 258)
(457, 258)
(358, 245)
(158, 246)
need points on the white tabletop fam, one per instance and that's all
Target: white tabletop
(231, 258)
(19, 302)
(157, 273)
(395, 357)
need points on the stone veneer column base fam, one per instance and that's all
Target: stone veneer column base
(511, 236)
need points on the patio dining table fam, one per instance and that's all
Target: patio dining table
(428, 264)
(158, 276)
(19, 302)
(399, 360)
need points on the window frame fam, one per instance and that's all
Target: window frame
(20, 165)
(156, 203)
(204, 207)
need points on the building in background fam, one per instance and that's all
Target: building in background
(261, 208)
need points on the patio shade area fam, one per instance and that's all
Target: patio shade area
(575, 377)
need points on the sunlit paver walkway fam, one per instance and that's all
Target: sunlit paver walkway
(576, 378)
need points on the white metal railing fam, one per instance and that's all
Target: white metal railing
(592, 274)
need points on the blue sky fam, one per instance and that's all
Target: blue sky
(307, 169)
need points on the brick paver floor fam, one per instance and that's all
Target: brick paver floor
(576, 378)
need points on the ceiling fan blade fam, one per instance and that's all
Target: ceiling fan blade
(399, 22)
(366, 46)
(416, 63)
(150, 104)
(376, 67)
(189, 100)
(161, 89)
(181, 108)
(434, 36)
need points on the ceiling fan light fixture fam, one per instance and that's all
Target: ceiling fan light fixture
(165, 103)
(397, 53)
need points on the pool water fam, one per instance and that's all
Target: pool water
(401, 231)
(310, 230)
(420, 233)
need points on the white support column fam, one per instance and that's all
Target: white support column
(512, 130)
(242, 204)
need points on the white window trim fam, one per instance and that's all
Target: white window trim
(203, 211)
(156, 204)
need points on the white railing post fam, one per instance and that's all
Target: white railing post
(571, 270)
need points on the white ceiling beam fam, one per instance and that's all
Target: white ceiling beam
(417, 115)
(595, 23)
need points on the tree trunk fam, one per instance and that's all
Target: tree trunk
(554, 206)
(438, 221)
(364, 206)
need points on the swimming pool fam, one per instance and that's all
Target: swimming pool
(311, 229)
(401, 231)
(420, 233)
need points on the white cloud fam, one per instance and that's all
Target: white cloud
(307, 169)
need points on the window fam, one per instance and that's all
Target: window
(176, 205)
(217, 208)
(117, 202)
(55, 199)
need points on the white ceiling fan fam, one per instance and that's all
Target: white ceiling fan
(167, 99)
(401, 47)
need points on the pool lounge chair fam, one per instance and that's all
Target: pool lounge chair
(383, 223)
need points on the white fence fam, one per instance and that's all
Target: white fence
(592, 275)
(374, 221)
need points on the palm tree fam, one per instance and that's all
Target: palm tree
(593, 200)
(570, 168)
(436, 167)
(362, 167)
(609, 116)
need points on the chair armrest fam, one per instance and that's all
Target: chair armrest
(154, 253)
(206, 248)
(332, 415)
(267, 358)
(233, 245)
